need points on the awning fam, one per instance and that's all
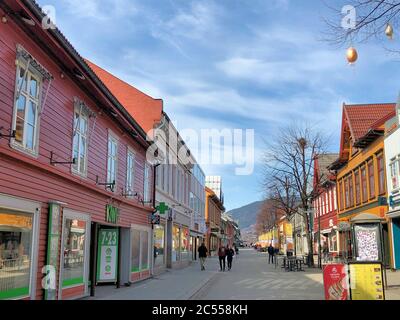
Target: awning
(366, 218)
(194, 233)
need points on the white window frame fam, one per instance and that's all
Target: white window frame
(130, 172)
(394, 173)
(113, 139)
(75, 168)
(31, 72)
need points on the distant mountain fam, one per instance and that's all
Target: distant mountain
(246, 214)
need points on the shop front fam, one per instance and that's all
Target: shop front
(159, 254)
(395, 224)
(19, 235)
(141, 253)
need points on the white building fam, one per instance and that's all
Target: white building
(180, 201)
(392, 161)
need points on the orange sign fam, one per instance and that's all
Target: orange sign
(14, 220)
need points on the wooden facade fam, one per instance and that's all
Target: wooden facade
(31, 177)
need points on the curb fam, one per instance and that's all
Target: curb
(189, 294)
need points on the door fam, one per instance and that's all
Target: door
(386, 244)
(140, 244)
(396, 242)
(107, 255)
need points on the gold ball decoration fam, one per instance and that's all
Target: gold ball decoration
(389, 31)
(351, 55)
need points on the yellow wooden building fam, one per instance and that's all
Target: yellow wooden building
(361, 176)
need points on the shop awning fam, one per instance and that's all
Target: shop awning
(366, 218)
(194, 233)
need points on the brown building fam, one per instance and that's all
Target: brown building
(214, 210)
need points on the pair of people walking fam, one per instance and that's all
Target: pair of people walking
(225, 253)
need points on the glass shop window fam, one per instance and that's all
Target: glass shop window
(15, 254)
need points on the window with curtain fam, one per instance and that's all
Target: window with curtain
(371, 179)
(28, 89)
(112, 159)
(358, 189)
(381, 174)
(130, 173)
(351, 190)
(364, 184)
(80, 146)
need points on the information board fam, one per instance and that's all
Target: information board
(366, 281)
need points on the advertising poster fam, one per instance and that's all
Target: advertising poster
(366, 281)
(367, 242)
(336, 282)
(107, 255)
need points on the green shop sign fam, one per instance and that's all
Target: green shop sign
(162, 208)
(112, 214)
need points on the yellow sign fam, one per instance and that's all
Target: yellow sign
(13, 220)
(366, 282)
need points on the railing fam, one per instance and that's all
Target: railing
(14, 273)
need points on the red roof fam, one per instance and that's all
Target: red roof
(363, 117)
(146, 110)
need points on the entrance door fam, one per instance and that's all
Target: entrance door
(74, 264)
(107, 255)
(386, 244)
(396, 242)
(140, 257)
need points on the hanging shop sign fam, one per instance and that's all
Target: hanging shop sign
(162, 208)
(366, 281)
(336, 282)
(107, 255)
(367, 242)
(112, 214)
(52, 256)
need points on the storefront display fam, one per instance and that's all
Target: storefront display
(185, 238)
(176, 243)
(73, 272)
(15, 253)
(367, 239)
(159, 247)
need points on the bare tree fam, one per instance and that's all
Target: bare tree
(372, 19)
(268, 216)
(289, 169)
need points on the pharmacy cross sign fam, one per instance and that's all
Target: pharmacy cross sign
(162, 208)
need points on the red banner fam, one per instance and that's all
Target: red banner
(335, 282)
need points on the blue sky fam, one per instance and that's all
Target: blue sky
(236, 64)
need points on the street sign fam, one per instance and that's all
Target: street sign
(162, 208)
(155, 219)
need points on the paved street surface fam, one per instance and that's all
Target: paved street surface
(253, 278)
(250, 279)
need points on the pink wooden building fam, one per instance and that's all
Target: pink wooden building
(75, 187)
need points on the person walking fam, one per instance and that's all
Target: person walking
(325, 252)
(202, 255)
(222, 257)
(236, 251)
(229, 256)
(271, 252)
